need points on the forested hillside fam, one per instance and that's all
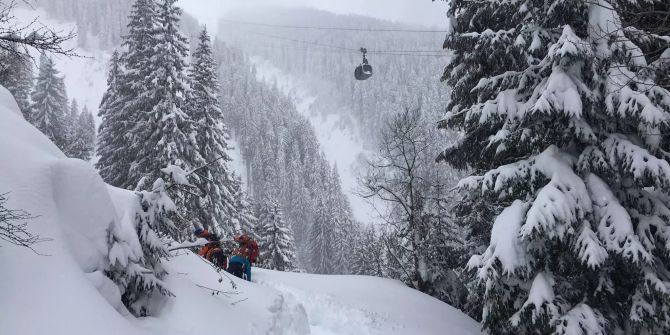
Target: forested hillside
(403, 62)
(284, 163)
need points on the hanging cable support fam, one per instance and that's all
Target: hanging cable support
(333, 28)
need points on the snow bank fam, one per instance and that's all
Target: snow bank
(65, 291)
(360, 305)
(8, 103)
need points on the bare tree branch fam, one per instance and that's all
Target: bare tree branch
(17, 39)
(17, 233)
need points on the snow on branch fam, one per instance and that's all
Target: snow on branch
(557, 204)
(540, 300)
(178, 175)
(614, 224)
(589, 249)
(561, 203)
(579, 318)
(637, 162)
(505, 245)
(625, 102)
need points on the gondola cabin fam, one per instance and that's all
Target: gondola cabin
(363, 71)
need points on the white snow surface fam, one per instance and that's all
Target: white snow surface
(65, 291)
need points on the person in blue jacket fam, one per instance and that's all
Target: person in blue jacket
(239, 266)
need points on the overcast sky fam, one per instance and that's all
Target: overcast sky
(423, 12)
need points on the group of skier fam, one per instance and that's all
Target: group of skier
(236, 260)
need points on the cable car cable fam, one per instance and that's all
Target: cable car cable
(352, 50)
(334, 28)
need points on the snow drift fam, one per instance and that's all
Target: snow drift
(64, 290)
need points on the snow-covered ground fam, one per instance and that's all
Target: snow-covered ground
(341, 145)
(63, 290)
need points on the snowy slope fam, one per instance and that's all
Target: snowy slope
(366, 305)
(64, 290)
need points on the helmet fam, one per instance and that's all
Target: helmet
(197, 231)
(244, 238)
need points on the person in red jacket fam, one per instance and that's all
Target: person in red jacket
(248, 247)
(243, 256)
(211, 251)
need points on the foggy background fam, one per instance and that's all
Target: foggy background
(423, 12)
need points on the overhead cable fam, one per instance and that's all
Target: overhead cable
(334, 28)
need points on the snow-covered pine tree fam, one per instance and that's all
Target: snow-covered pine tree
(211, 136)
(367, 254)
(163, 128)
(125, 102)
(16, 75)
(70, 125)
(83, 141)
(275, 238)
(322, 233)
(243, 218)
(139, 274)
(562, 120)
(109, 163)
(49, 103)
(345, 228)
(474, 216)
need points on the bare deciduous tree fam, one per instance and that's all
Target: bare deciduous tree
(406, 178)
(17, 38)
(13, 226)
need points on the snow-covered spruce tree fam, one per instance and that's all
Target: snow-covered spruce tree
(49, 102)
(126, 101)
(70, 126)
(211, 137)
(563, 123)
(346, 227)
(163, 127)
(139, 274)
(112, 162)
(321, 238)
(16, 75)
(368, 253)
(275, 238)
(243, 218)
(475, 216)
(83, 140)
